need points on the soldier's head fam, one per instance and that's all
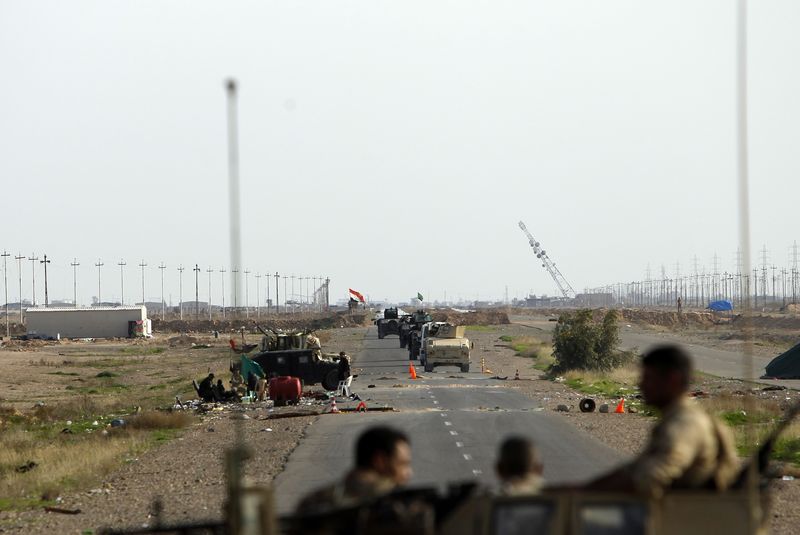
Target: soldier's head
(666, 372)
(385, 451)
(518, 458)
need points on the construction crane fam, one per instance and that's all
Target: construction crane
(548, 264)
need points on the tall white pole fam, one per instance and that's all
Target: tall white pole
(5, 256)
(180, 289)
(19, 258)
(162, 267)
(75, 265)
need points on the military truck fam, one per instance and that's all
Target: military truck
(443, 344)
(389, 323)
(410, 330)
(290, 353)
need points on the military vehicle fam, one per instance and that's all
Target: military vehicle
(389, 323)
(410, 332)
(289, 353)
(443, 344)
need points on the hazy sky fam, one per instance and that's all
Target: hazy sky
(392, 145)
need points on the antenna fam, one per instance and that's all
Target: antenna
(547, 263)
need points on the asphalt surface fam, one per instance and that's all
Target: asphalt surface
(719, 362)
(455, 420)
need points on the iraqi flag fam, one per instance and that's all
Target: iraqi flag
(356, 296)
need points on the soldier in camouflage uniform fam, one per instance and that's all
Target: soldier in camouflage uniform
(688, 448)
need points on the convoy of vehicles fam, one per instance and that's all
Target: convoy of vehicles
(388, 323)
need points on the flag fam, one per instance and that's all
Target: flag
(356, 296)
(419, 296)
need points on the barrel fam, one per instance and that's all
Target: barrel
(285, 389)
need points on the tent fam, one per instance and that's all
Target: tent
(721, 306)
(785, 366)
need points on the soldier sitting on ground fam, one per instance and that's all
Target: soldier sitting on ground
(206, 388)
(688, 448)
(519, 468)
(383, 463)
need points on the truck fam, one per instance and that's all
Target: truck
(444, 344)
(389, 323)
(410, 328)
(289, 353)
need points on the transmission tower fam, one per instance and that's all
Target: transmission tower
(541, 254)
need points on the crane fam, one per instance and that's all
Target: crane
(548, 264)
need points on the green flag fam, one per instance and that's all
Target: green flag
(419, 296)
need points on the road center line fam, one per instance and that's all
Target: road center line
(459, 444)
(448, 423)
(467, 457)
(454, 433)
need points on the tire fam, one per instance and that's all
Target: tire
(429, 367)
(331, 380)
(465, 368)
(380, 334)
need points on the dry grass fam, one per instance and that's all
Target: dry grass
(627, 376)
(79, 458)
(151, 420)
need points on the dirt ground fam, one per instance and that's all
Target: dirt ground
(186, 473)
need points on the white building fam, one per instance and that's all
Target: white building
(96, 322)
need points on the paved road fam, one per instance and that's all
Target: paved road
(455, 422)
(719, 362)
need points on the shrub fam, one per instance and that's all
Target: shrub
(580, 343)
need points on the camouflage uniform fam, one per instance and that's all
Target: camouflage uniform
(358, 486)
(313, 343)
(688, 449)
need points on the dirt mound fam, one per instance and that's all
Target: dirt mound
(305, 321)
(478, 317)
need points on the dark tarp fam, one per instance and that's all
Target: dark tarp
(785, 365)
(720, 306)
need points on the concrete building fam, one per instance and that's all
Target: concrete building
(94, 322)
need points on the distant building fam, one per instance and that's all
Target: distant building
(93, 322)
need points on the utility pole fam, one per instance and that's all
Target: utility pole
(46, 298)
(74, 265)
(285, 294)
(98, 265)
(258, 296)
(5, 256)
(121, 265)
(222, 271)
(196, 291)
(246, 294)
(277, 295)
(235, 275)
(180, 289)
(294, 296)
(266, 278)
(162, 267)
(19, 258)
(209, 271)
(143, 265)
(327, 293)
(33, 260)
(234, 208)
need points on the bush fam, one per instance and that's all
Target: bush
(580, 343)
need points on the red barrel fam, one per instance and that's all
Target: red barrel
(283, 390)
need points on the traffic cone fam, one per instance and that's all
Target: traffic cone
(620, 406)
(411, 371)
(334, 408)
(516, 375)
(361, 407)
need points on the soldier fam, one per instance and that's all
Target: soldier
(313, 343)
(383, 462)
(519, 468)
(688, 448)
(206, 388)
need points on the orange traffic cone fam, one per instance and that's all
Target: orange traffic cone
(334, 408)
(411, 371)
(620, 406)
(361, 407)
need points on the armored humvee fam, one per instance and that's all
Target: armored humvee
(410, 332)
(389, 323)
(288, 353)
(443, 344)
